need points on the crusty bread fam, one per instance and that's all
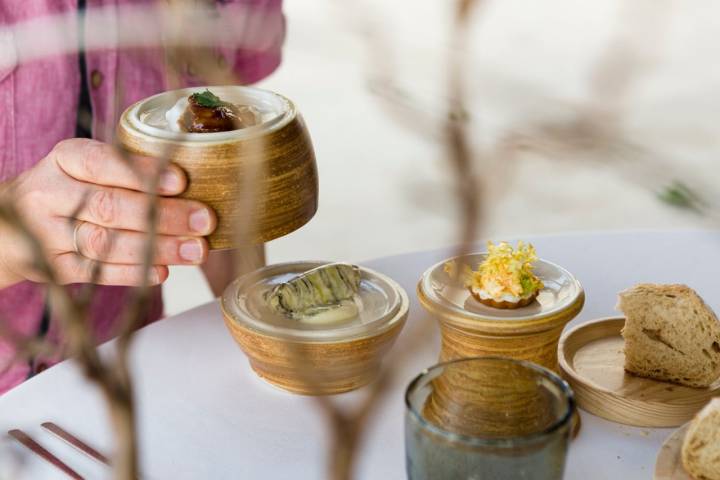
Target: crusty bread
(670, 334)
(701, 447)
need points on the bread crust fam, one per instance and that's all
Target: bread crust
(670, 335)
(502, 304)
(676, 289)
(700, 449)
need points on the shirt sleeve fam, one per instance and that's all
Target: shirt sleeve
(257, 27)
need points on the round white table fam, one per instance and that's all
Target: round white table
(205, 415)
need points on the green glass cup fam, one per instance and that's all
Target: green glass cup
(487, 418)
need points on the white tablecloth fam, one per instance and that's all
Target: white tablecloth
(205, 415)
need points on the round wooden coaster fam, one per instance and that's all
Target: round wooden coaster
(669, 462)
(592, 359)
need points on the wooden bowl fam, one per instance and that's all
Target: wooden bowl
(592, 360)
(261, 181)
(471, 329)
(496, 397)
(307, 359)
(487, 418)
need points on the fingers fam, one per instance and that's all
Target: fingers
(127, 210)
(99, 163)
(73, 268)
(125, 247)
(108, 190)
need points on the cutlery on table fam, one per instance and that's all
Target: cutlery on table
(75, 442)
(39, 450)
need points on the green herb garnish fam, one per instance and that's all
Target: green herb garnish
(208, 99)
(528, 284)
(680, 195)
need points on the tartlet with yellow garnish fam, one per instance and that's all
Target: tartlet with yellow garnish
(504, 301)
(505, 279)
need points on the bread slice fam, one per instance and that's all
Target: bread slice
(670, 334)
(701, 447)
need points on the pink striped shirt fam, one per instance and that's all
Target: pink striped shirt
(38, 107)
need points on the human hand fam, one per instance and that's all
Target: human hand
(88, 204)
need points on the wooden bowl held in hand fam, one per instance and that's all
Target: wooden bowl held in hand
(260, 180)
(314, 359)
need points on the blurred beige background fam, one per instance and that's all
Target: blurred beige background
(384, 185)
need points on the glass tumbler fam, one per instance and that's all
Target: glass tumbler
(487, 418)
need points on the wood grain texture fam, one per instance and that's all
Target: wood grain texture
(668, 465)
(534, 340)
(540, 348)
(592, 361)
(278, 165)
(315, 368)
(494, 399)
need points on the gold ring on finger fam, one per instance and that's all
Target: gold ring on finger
(76, 230)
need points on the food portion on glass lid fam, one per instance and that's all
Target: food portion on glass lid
(205, 112)
(505, 278)
(324, 294)
(341, 318)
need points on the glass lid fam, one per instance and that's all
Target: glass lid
(381, 304)
(561, 290)
(150, 116)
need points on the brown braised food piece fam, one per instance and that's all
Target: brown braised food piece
(206, 113)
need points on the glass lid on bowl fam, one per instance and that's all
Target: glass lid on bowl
(561, 290)
(381, 304)
(150, 116)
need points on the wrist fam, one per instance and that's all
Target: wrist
(11, 245)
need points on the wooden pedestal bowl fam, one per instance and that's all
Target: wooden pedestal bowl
(489, 397)
(494, 401)
(261, 180)
(471, 329)
(314, 360)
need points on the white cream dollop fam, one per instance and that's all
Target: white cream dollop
(505, 297)
(173, 115)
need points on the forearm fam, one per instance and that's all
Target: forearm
(223, 266)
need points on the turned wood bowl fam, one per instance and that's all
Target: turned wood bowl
(592, 360)
(486, 398)
(472, 329)
(261, 181)
(314, 359)
(489, 398)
